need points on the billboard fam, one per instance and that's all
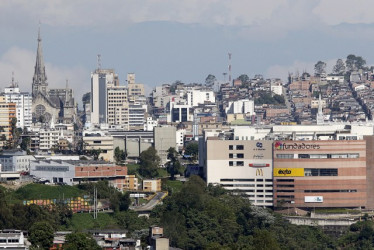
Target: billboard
(308, 199)
(288, 172)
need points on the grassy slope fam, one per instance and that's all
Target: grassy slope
(82, 221)
(41, 191)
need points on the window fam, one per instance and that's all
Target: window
(231, 147)
(240, 163)
(321, 172)
(236, 163)
(303, 156)
(286, 191)
(260, 185)
(259, 179)
(231, 156)
(240, 156)
(286, 196)
(285, 180)
(239, 147)
(269, 180)
(331, 191)
(285, 156)
(285, 186)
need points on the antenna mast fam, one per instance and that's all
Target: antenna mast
(99, 62)
(230, 67)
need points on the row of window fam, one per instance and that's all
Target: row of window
(236, 156)
(236, 163)
(318, 156)
(246, 185)
(246, 180)
(236, 147)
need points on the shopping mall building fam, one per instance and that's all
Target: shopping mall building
(329, 173)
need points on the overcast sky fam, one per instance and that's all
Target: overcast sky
(166, 40)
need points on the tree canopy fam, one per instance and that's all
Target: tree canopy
(149, 163)
(354, 62)
(320, 68)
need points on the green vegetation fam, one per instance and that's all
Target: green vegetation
(41, 191)
(336, 211)
(132, 169)
(194, 216)
(41, 235)
(149, 163)
(171, 186)
(82, 221)
(80, 241)
(267, 98)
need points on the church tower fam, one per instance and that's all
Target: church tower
(39, 81)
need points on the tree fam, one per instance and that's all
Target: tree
(320, 68)
(80, 241)
(244, 79)
(95, 153)
(41, 235)
(120, 201)
(339, 67)
(354, 62)
(119, 155)
(25, 144)
(192, 149)
(149, 163)
(210, 80)
(174, 163)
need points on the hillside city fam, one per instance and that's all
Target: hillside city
(242, 163)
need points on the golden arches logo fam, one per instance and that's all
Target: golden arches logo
(259, 172)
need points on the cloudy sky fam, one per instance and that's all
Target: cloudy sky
(167, 40)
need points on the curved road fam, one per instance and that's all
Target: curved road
(151, 204)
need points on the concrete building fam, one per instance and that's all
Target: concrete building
(323, 173)
(49, 139)
(244, 166)
(75, 172)
(131, 183)
(12, 239)
(118, 106)
(23, 101)
(241, 107)
(15, 161)
(7, 113)
(99, 140)
(164, 138)
(152, 185)
(198, 96)
(137, 115)
(101, 79)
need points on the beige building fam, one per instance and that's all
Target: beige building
(7, 113)
(164, 138)
(152, 185)
(244, 166)
(118, 106)
(99, 140)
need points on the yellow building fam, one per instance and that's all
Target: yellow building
(131, 183)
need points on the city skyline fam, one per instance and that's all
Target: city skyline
(166, 41)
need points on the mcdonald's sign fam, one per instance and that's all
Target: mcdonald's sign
(259, 172)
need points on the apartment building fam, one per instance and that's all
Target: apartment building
(7, 113)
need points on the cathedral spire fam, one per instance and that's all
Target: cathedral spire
(39, 82)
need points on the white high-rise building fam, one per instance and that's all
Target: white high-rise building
(196, 97)
(23, 102)
(101, 79)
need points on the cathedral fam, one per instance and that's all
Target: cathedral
(57, 105)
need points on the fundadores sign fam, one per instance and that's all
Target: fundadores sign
(295, 145)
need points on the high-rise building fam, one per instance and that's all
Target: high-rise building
(7, 113)
(118, 107)
(23, 102)
(136, 90)
(101, 79)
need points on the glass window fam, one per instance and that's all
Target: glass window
(239, 147)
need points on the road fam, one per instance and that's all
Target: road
(151, 204)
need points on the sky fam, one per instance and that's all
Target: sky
(162, 41)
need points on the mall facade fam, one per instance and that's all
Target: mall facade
(293, 173)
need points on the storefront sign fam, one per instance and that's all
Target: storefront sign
(287, 172)
(308, 199)
(295, 145)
